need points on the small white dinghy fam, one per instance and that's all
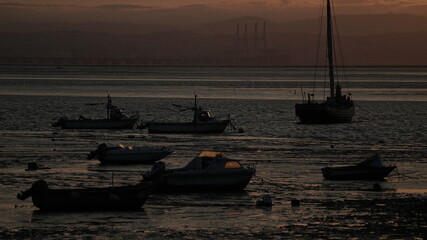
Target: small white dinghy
(128, 155)
(369, 169)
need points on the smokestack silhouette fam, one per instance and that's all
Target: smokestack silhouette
(256, 36)
(246, 37)
(238, 36)
(245, 45)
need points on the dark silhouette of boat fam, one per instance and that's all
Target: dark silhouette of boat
(203, 122)
(370, 169)
(116, 119)
(110, 198)
(337, 108)
(128, 155)
(209, 171)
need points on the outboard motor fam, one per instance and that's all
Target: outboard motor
(38, 187)
(60, 121)
(157, 169)
(102, 148)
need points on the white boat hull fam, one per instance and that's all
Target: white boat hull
(228, 180)
(135, 156)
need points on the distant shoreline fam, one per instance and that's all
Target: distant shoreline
(204, 66)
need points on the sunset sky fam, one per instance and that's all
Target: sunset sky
(190, 11)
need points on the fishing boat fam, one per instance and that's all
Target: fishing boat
(203, 122)
(116, 119)
(111, 198)
(337, 108)
(128, 155)
(209, 171)
(370, 169)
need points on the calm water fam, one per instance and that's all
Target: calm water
(391, 119)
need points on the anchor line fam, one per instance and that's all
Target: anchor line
(268, 182)
(396, 170)
(369, 112)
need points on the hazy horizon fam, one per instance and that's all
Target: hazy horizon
(191, 11)
(188, 32)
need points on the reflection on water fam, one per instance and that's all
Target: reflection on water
(288, 156)
(415, 191)
(378, 84)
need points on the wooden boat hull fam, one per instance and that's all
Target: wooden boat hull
(188, 181)
(113, 198)
(133, 157)
(98, 124)
(356, 172)
(209, 127)
(323, 113)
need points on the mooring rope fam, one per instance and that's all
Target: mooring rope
(369, 112)
(268, 182)
(396, 170)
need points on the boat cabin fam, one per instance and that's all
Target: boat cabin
(210, 160)
(203, 115)
(117, 113)
(373, 161)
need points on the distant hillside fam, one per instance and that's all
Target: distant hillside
(388, 39)
(102, 27)
(347, 25)
(187, 48)
(364, 24)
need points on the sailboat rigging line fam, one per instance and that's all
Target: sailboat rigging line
(319, 35)
(302, 94)
(341, 59)
(325, 81)
(330, 50)
(334, 30)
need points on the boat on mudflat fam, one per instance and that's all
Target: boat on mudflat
(203, 122)
(337, 108)
(111, 198)
(116, 119)
(370, 169)
(209, 171)
(128, 155)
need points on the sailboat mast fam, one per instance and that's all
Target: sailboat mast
(195, 108)
(330, 49)
(108, 106)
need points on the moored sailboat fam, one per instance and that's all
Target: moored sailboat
(369, 169)
(337, 108)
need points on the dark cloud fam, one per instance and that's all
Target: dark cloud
(123, 7)
(193, 6)
(29, 5)
(285, 2)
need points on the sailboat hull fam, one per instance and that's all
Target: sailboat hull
(312, 113)
(209, 127)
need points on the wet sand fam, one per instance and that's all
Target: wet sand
(287, 155)
(385, 218)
